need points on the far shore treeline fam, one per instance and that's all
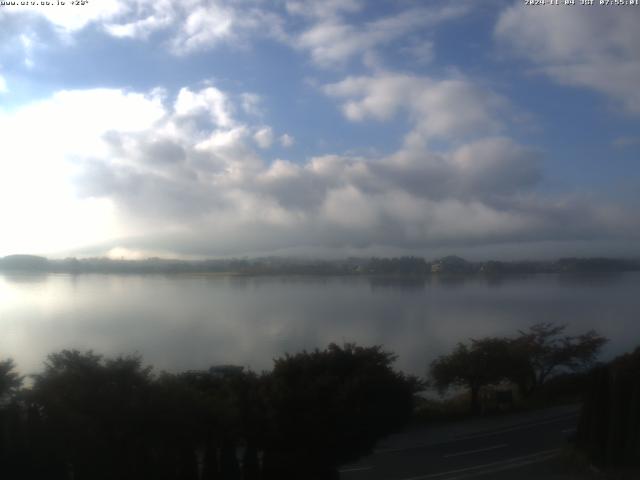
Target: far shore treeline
(403, 266)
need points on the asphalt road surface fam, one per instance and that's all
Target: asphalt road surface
(506, 445)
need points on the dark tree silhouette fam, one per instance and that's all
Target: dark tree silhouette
(473, 366)
(609, 427)
(10, 381)
(331, 406)
(543, 350)
(528, 360)
(95, 418)
(11, 436)
(211, 413)
(93, 412)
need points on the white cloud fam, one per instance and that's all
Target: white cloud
(28, 42)
(141, 28)
(250, 103)
(593, 47)
(287, 140)
(71, 18)
(349, 208)
(210, 102)
(38, 206)
(141, 18)
(452, 108)
(198, 25)
(204, 27)
(187, 26)
(182, 176)
(332, 41)
(495, 166)
(264, 137)
(327, 8)
(207, 24)
(378, 97)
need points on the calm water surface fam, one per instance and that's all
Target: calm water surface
(186, 322)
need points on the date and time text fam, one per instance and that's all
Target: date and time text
(586, 3)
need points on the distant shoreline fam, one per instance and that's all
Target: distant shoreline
(401, 267)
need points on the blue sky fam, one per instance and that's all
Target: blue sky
(212, 128)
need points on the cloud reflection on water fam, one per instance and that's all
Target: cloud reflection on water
(186, 322)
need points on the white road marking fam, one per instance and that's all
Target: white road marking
(469, 452)
(514, 428)
(491, 433)
(486, 468)
(502, 468)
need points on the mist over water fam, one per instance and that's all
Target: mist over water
(189, 322)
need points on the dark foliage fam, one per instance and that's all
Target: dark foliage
(474, 366)
(528, 360)
(90, 414)
(89, 417)
(10, 381)
(609, 429)
(331, 406)
(543, 351)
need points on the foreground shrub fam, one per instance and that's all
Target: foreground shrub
(609, 430)
(95, 418)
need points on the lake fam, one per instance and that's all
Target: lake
(189, 322)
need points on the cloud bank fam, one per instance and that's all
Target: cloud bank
(182, 174)
(594, 48)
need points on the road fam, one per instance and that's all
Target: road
(466, 451)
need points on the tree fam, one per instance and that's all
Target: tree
(609, 427)
(543, 351)
(93, 413)
(211, 412)
(528, 360)
(472, 366)
(330, 407)
(10, 381)
(10, 434)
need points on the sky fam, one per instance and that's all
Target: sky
(216, 128)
